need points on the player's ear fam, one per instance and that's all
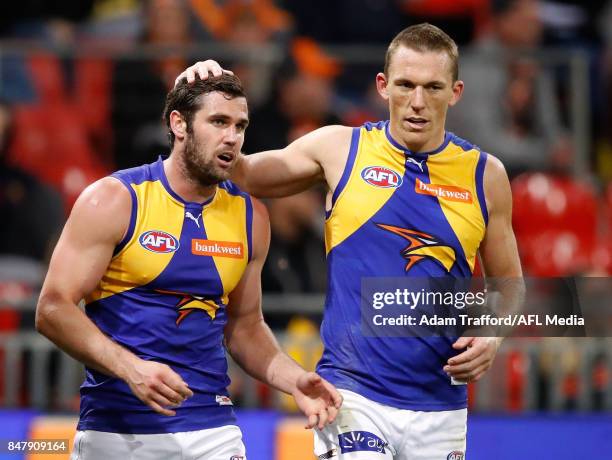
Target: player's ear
(457, 92)
(381, 85)
(178, 125)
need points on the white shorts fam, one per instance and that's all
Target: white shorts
(223, 443)
(368, 430)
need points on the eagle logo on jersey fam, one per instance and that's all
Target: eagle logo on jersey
(189, 303)
(422, 246)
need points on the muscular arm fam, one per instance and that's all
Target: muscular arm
(97, 223)
(316, 157)
(498, 250)
(500, 261)
(252, 345)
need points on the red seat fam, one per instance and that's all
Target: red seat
(92, 97)
(562, 209)
(48, 78)
(51, 143)
(556, 253)
(608, 211)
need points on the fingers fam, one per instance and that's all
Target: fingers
(332, 413)
(160, 410)
(458, 369)
(175, 398)
(468, 355)
(336, 397)
(462, 342)
(472, 374)
(176, 383)
(202, 69)
(312, 421)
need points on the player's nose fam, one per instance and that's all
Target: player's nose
(417, 101)
(230, 136)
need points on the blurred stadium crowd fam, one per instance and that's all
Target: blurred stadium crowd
(82, 85)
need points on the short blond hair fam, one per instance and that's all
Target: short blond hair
(425, 37)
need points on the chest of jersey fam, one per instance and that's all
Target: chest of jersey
(402, 209)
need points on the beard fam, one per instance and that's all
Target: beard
(201, 170)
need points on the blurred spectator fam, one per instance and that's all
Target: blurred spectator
(241, 21)
(114, 23)
(302, 102)
(245, 23)
(32, 213)
(139, 86)
(509, 106)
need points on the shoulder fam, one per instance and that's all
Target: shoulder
(108, 192)
(496, 184)
(494, 170)
(104, 206)
(332, 136)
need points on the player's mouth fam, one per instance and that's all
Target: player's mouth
(417, 123)
(225, 159)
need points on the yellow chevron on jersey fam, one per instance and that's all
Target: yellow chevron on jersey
(158, 211)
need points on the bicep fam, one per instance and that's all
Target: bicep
(95, 226)
(498, 250)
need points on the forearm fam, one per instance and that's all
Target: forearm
(257, 352)
(65, 324)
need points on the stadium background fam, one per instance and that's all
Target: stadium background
(81, 91)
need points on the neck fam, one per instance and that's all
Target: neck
(183, 184)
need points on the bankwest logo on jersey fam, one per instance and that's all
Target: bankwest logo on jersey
(379, 176)
(446, 192)
(217, 248)
(158, 241)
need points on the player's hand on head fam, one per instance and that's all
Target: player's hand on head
(471, 364)
(318, 399)
(202, 69)
(158, 386)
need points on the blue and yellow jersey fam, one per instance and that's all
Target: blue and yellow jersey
(398, 213)
(164, 297)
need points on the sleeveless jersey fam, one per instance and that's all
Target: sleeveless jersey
(164, 297)
(397, 213)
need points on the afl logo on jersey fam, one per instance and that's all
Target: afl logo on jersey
(158, 241)
(379, 176)
(455, 455)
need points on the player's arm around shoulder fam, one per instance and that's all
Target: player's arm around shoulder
(253, 346)
(318, 156)
(97, 223)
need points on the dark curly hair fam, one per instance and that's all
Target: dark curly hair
(185, 97)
